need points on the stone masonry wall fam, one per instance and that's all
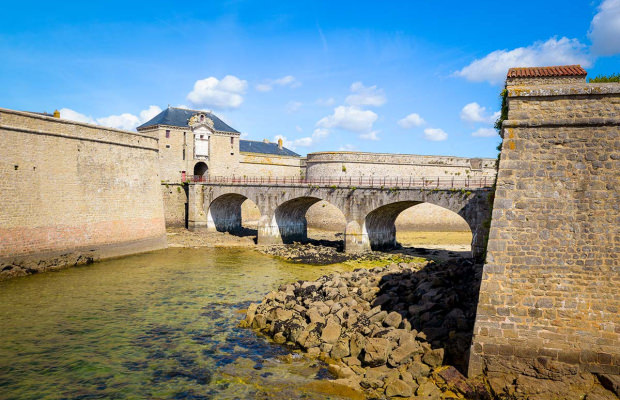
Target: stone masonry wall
(175, 204)
(549, 298)
(268, 165)
(354, 164)
(74, 192)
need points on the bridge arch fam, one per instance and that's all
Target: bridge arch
(225, 214)
(380, 224)
(290, 218)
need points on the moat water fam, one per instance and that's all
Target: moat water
(161, 325)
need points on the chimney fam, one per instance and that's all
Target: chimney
(56, 114)
(280, 143)
(265, 141)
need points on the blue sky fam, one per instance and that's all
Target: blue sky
(419, 77)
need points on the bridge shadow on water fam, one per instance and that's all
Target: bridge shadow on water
(439, 301)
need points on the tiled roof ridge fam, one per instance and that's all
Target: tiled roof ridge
(556, 70)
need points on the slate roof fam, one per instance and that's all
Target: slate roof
(559, 70)
(180, 116)
(251, 146)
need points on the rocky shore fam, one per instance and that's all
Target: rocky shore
(386, 332)
(399, 331)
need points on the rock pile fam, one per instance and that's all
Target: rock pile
(386, 331)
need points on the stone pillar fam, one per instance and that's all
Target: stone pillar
(355, 238)
(196, 216)
(268, 230)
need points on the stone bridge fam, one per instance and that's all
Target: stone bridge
(370, 213)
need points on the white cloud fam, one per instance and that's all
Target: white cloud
(474, 112)
(67, 113)
(285, 81)
(494, 66)
(223, 94)
(298, 128)
(372, 135)
(318, 134)
(149, 113)
(263, 87)
(485, 132)
(435, 134)
(347, 147)
(411, 120)
(326, 102)
(124, 121)
(349, 118)
(293, 106)
(365, 96)
(605, 29)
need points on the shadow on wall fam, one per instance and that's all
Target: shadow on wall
(439, 301)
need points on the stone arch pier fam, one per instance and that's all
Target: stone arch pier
(370, 213)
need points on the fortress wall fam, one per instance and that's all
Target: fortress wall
(354, 164)
(175, 203)
(549, 294)
(268, 165)
(73, 192)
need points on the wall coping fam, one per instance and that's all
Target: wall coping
(318, 154)
(568, 89)
(70, 122)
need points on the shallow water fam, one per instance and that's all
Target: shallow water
(161, 325)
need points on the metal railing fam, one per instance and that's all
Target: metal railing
(386, 182)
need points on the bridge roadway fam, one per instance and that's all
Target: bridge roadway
(370, 208)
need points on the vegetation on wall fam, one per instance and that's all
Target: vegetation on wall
(605, 78)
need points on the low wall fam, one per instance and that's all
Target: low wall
(74, 193)
(355, 164)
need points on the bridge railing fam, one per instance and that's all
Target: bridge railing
(386, 182)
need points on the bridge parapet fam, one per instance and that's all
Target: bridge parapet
(382, 182)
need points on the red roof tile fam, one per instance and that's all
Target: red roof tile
(560, 70)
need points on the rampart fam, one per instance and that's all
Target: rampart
(74, 192)
(549, 299)
(344, 163)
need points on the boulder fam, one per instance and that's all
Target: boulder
(398, 388)
(376, 351)
(433, 358)
(331, 331)
(419, 370)
(428, 390)
(403, 354)
(357, 344)
(393, 319)
(340, 349)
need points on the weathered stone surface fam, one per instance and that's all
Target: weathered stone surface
(331, 331)
(376, 351)
(393, 319)
(433, 358)
(403, 354)
(398, 388)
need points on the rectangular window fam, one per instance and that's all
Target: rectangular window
(167, 133)
(184, 154)
(232, 142)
